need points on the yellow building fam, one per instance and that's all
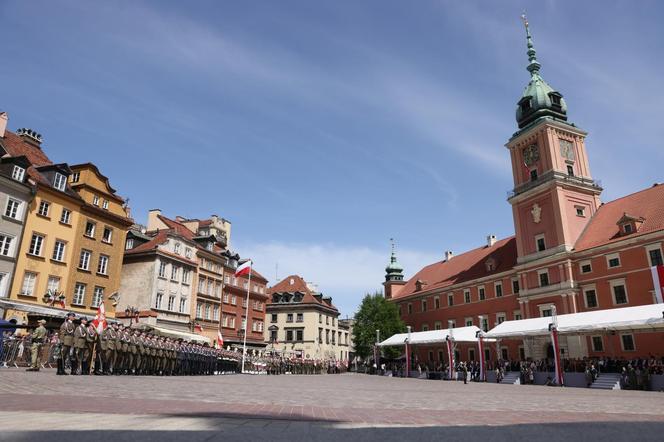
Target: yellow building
(71, 250)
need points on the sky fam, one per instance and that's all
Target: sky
(321, 129)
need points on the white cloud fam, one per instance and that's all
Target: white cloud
(346, 273)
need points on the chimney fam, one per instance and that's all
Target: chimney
(490, 240)
(448, 255)
(30, 136)
(3, 123)
(153, 222)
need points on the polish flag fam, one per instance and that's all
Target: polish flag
(244, 268)
(658, 282)
(220, 339)
(100, 319)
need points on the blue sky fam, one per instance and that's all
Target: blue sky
(322, 129)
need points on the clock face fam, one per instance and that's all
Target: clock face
(531, 155)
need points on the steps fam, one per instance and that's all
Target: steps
(607, 381)
(512, 378)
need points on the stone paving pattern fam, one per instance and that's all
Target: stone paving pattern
(318, 407)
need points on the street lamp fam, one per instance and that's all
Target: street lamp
(132, 312)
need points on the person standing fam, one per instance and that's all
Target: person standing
(38, 336)
(79, 346)
(109, 336)
(66, 336)
(90, 350)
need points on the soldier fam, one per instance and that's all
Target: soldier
(38, 337)
(109, 335)
(66, 336)
(119, 355)
(127, 356)
(141, 352)
(79, 346)
(134, 347)
(90, 342)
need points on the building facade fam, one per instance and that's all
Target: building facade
(569, 250)
(56, 266)
(304, 323)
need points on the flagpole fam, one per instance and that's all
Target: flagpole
(246, 320)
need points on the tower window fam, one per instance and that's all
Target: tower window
(570, 170)
(580, 211)
(533, 175)
(525, 104)
(541, 245)
(555, 99)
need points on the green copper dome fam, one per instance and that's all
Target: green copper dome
(393, 271)
(538, 99)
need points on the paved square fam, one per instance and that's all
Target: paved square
(326, 407)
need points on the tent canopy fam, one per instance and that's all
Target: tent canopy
(461, 334)
(180, 334)
(640, 318)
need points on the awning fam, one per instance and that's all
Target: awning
(40, 310)
(180, 334)
(460, 334)
(640, 318)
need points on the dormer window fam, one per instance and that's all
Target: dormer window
(629, 224)
(555, 99)
(104, 204)
(18, 173)
(95, 200)
(176, 248)
(76, 176)
(627, 228)
(419, 284)
(60, 181)
(490, 264)
(210, 245)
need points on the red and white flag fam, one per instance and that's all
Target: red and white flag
(100, 319)
(658, 282)
(244, 268)
(198, 327)
(220, 339)
(450, 358)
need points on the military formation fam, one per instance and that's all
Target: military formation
(120, 350)
(278, 365)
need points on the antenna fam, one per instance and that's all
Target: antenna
(276, 272)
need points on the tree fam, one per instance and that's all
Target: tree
(376, 313)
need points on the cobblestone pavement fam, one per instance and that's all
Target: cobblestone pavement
(323, 407)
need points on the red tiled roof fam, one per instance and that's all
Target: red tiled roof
(160, 238)
(298, 285)
(463, 268)
(15, 146)
(178, 227)
(602, 228)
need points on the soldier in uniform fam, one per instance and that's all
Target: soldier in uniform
(79, 346)
(127, 356)
(133, 351)
(90, 341)
(38, 337)
(119, 355)
(109, 335)
(66, 336)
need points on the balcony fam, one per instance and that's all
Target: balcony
(558, 176)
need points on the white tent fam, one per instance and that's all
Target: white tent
(640, 318)
(461, 334)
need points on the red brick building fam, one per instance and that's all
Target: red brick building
(569, 249)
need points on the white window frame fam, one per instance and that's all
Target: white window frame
(129, 244)
(539, 280)
(59, 253)
(589, 288)
(159, 297)
(584, 263)
(97, 296)
(436, 300)
(104, 204)
(499, 316)
(517, 313)
(622, 344)
(185, 275)
(450, 299)
(84, 264)
(468, 322)
(79, 294)
(53, 287)
(65, 216)
(215, 313)
(171, 303)
(161, 271)
(44, 204)
(542, 308)
(467, 296)
(95, 200)
(92, 231)
(649, 248)
(481, 289)
(17, 206)
(108, 240)
(176, 248)
(613, 256)
(18, 173)
(60, 181)
(175, 271)
(617, 282)
(582, 209)
(495, 289)
(7, 244)
(29, 284)
(187, 253)
(183, 305)
(102, 265)
(38, 244)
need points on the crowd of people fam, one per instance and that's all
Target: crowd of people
(76, 348)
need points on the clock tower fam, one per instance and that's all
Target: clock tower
(554, 194)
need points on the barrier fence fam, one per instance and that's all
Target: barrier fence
(17, 352)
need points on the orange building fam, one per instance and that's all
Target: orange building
(569, 250)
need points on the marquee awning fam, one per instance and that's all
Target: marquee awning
(46, 311)
(460, 334)
(640, 318)
(176, 334)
